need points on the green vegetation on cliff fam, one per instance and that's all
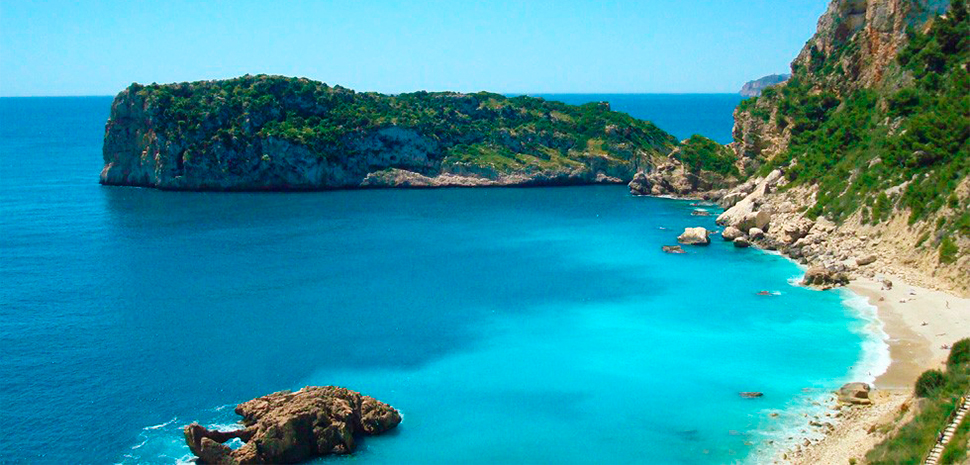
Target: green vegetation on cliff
(941, 394)
(700, 153)
(483, 129)
(900, 144)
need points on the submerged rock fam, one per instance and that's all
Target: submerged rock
(673, 249)
(290, 427)
(751, 395)
(694, 236)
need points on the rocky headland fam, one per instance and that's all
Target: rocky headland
(754, 88)
(291, 427)
(278, 133)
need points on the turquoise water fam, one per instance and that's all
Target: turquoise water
(508, 325)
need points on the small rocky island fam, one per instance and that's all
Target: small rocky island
(291, 427)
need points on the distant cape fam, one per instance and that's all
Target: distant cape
(754, 88)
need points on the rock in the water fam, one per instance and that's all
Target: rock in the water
(741, 243)
(289, 427)
(700, 212)
(751, 395)
(855, 393)
(825, 278)
(673, 249)
(694, 236)
(731, 233)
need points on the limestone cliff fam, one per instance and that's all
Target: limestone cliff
(863, 155)
(277, 133)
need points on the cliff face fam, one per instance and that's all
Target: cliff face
(754, 88)
(866, 146)
(275, 133)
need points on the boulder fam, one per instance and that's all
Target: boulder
(824, 278)
(741, 243)
(694, 236)
(869, 260)
(289, 427)
(855, 393)
(762, 219)
(673, 249)
(700, 212)
(756, 233)
(797, 229)
(751, 395)
(731, 233)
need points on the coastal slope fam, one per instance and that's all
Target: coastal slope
(278, 133)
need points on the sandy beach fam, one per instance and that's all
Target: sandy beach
(921, 324)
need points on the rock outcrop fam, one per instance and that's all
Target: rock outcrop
(694, 236)
(825, 278)
(855, 394)
(278, 133)
(698, 167)
(291, 427)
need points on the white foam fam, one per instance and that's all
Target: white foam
(160, 426)
(875, 358)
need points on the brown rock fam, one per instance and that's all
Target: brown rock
(289, 427)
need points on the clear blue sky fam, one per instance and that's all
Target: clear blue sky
(54, 47)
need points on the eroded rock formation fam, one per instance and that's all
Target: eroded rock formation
(291, 427)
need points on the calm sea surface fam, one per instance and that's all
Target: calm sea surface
(508, 325)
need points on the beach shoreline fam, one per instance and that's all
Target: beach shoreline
(921, 325)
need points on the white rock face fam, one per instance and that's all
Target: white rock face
(694, 236)
(746, 213)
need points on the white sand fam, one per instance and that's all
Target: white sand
(922, 324)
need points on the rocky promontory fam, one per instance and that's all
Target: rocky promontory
(278, 133)
(291, 427)
(754, 88)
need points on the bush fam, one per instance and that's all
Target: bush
(948, 250)
(959, 354)
(928, 382)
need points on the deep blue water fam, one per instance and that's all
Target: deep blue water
(508, 325)
(683, 115)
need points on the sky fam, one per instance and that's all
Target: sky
(59, 47)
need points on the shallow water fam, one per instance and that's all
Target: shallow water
(524, 325)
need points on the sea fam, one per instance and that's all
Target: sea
(508, 325)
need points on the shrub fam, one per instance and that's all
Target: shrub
(928, 382)
(959, 354)
(948, 250)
